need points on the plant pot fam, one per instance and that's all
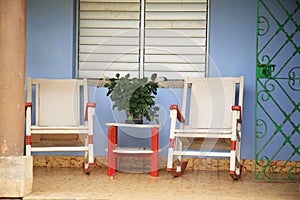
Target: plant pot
(134, 121)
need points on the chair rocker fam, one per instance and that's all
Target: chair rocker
(59, 124)
(211, 114)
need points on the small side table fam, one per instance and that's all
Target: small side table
(114, 151)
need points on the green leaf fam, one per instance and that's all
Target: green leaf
(133, 105)
(137, 110)
(153, 77)
(135, 96)
(108, 93)
(149, 99)
(145, 89)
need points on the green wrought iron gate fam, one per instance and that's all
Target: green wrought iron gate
(278, 90)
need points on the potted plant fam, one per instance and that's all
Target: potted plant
(135, 96)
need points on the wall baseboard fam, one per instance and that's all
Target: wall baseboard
(141, 164)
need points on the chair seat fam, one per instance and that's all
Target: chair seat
(202, 153)
(59, 149)
(59, 130)
(203, 132)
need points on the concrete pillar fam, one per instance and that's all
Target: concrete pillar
(12, 76)
(15, 169)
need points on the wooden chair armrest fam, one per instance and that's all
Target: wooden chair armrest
(28, 104)
(238, 108)
(179, 115)
(88, 105)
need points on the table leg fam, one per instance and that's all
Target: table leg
(154, 147)
(112, 143)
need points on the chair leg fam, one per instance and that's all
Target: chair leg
(170, 155)
(238, 158)
(88, 155)
(183, 166)
(85, 164)
(91, 149)
(235, 167)
(86, 167)
(28, 145)
(179, 158)
(170, 159)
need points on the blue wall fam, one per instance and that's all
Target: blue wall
(50, 50)
(232, 45)
(49, 38)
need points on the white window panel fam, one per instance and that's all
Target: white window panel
(172, 41)
(175, 38)
(108, 37)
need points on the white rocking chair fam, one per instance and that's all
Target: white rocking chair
(58, 125)
(211, 111)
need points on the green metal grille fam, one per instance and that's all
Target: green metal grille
(277, 138)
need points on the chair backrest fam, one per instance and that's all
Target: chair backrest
(207, 101)
(57, 101)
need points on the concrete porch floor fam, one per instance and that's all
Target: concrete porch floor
(71, 183)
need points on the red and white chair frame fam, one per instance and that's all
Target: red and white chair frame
(213, 107)
(57, 111)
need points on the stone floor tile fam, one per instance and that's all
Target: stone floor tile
(72, 183)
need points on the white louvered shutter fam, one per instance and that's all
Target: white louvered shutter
(108, 37)
(174, 38)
